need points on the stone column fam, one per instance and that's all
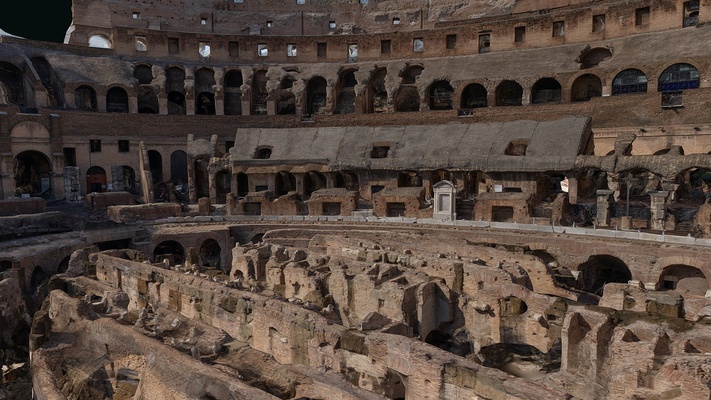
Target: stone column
(658, 208)
(604, 203)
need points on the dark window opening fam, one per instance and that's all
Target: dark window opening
(331, 208)
(520, 34)
(559, 29)
(376, 188)
(517, 148)
(679, 77)
(252, 208)
(321, 49)
(502, 214)
(385, 46)
(641, 16)
(123, 146)
(451, 42)
(263, 153)
(95, 146)
(379, 152)
(173, 46)
(629, 81)
(598, 24)
(484, 43)
(691, 13)
(233, 49)
(70, 156)
(395, 209)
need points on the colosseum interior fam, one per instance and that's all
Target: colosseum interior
(372, 199)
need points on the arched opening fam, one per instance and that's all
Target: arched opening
(179, 168)
(313, 181)
(589, 182)
(176, 103)
(509, 93)
(409, 179)
(586, 87)
(517, 147)
(286, 101)
(63, 265)
(100, 42)
(204, 84)
(316, 95)
(242, 184)
(394, 385)
(210, 253)
(116, 100)
(95, 179)
(38, 283)
(5, 265)
(521, 360)
(545, 90)
(284, 182)
(410, 74)
(447, 342)
(599, 270)
(175, 87)
(170, 250)
(440, 96)
(201, 177)
(474, 96)
(205, 104)
(593, 57)
(377, 94)
(143, 74)
(347, 180)
(259, 93)
(11, 80)
(32, 174)
(679, 77)
(129, 179)
(629, 81)
(85, 98)
(345, 103)
(223, 185)
(155, 162)
(55, 94)
(512, 306)
(684, 279)
(408, 96)
(233, 93)
(694, 186)
(147, 101)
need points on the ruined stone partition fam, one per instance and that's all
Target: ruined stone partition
(309, 338)
(333, 202)
(503, 207)
(408, 202)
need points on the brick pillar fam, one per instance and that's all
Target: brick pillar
(604, 202)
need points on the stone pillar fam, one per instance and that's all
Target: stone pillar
(657, 207)
(445, 204)
(246, 104)
(604, 203)
(163, 104)
(573, 189)
(72, 185)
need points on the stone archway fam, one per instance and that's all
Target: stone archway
(170, 250)
(32, 174)
(601, 269)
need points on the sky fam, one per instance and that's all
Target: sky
(39, 19)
